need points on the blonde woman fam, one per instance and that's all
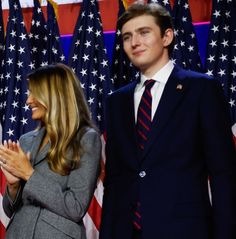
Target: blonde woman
(51, 172)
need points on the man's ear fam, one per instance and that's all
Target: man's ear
(168, 37)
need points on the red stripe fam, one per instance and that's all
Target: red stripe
(137, 225)
(145, 113)
(143, 124)
(149, 93)
(2, 182)
(137, 214)
(142, 135)
(2, 231)
(95, 212)
(146, 102)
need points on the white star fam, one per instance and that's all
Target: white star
(10, 132)
(18, 77)
(12, 118)
(22, 36)
(17, 91)
(213, 43)
(54, 50)
(9, 61)
(87, 44)
(211, 58)
(14, 19)
(90, 100)
(77, 42)
(233, 74)
(94, 72)
(221, 72)
(233, 88)
(31, 65)
(104, 63)
(102, 77)
(232, 102)
(215, 29)
(8, 75)
(234, 60)
(15, 104)
(227, 14)
(209, 72)
(186, 6)
(11, 47)
(216, 13)
(91, 15)
(26, 107)
(98, 33)
(226, 28)
(99, 118)
(223, 58)
(62, 58)
(24, 121)
(84, 72)
(20, 64)
(85, 57)
(21, 50)
(225, 43)
(190, 48)
(75, 57)
(92, 87)
(89, 29)
(117, 47)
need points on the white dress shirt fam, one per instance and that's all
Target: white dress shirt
(161, 78)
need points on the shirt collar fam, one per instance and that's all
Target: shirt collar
(160, 76)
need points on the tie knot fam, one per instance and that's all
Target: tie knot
(149, 84)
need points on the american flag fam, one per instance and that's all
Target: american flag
(164, 3)
(17, 115)
(38, 37)
(54, 47)
(221, 51)
(186, 53)
(123, 72)
(2, 44)
(89, 61)
(3, 218)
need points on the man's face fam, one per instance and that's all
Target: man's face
(144, 45)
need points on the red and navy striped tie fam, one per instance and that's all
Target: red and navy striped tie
(144, 121)
(144, 118)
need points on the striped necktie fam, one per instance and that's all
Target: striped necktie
(144, 121)
(144, 118)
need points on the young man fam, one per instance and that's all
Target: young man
(165, 139)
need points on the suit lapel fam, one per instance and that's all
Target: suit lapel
(36, 155)
(130, 126)
(172, 95)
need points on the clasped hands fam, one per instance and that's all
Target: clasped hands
(14, 162)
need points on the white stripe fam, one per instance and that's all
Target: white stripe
(91, 231)
(3, 217)
(30, 3)
(234, 129)
(99, 192)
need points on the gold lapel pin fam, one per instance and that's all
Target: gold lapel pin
(179, 87)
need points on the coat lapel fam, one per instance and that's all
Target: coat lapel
(172, 95)
(36, 155)
(130, 126)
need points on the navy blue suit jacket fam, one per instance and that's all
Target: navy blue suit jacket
(190, 141)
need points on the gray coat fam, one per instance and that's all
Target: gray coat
(48, 205)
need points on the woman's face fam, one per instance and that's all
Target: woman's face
(38, 110)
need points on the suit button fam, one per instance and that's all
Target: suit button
(142, 174)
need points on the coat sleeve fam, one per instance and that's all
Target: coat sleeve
(220, 159)
(73, 202)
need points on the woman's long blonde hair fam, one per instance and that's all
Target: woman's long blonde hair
(67, 116)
